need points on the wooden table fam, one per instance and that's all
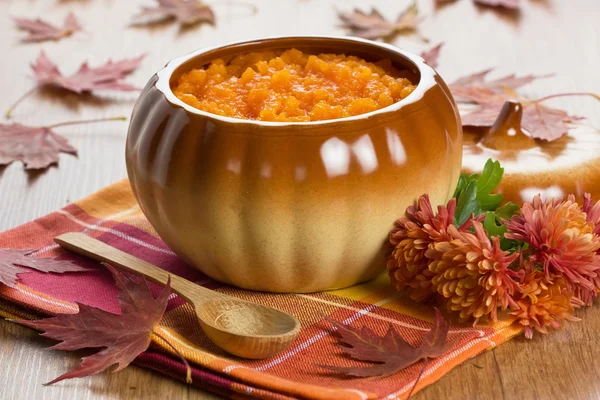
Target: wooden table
(552, 36)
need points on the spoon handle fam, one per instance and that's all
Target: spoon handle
(99, 251)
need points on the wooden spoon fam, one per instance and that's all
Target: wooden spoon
(239, 327)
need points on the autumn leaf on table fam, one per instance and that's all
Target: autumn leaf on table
(13, 261)
(510, 4)
(461, 87)
(431, 56)
(390, 353)
(40, 30)
(86, 80)
(184, 12)
(123, 336)
(375, 26)
(540, 121)
(36, 146)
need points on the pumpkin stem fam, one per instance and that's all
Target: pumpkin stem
(506, 133)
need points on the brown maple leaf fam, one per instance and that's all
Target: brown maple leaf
(540, 121)
(106, 77)
(123, 336)
(390, 353)
(184, 12)
(36, 146)
(431, 56)
(40, 30)
(511, 4)
(478, 80)
(13, 261)
(375, 26)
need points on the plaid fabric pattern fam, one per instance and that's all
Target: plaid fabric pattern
(112, 216)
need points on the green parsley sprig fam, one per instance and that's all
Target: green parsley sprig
(474, 196)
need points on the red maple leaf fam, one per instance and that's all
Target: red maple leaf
(374, 26)
(390, 353)
(106, 77)
(431, 56)
(123, 336)
(40, 30)
(36, 146)
(12, 262)
(184, 12)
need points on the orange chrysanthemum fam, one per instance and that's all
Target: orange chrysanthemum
(543, 303)
(407, 264)
(473, 273)
(562, 241)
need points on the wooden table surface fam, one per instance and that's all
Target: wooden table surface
(551, 36)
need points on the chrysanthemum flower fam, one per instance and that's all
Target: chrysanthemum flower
(473, 273)
(543, 304)
(563, 243)
(592, 212)
(407, 264)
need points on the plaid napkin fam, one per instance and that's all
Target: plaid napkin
(113, 216)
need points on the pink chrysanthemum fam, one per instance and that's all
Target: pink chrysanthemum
(407, 264)
(562, 241)
(473, 273)
(543, 304)
(592, 212)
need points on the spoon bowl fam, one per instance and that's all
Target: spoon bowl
(239, 327)
(246, 329)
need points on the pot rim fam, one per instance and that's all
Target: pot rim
(426, 81)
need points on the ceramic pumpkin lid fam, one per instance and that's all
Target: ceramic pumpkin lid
(568, 165)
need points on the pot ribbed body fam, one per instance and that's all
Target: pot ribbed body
(288, 208)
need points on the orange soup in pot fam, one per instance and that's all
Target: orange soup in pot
(293, 86)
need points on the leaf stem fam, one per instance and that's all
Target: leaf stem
(250, 6)
(188, 375)
(418, 377)
(552, 96)
(86, 121)
(28, 93)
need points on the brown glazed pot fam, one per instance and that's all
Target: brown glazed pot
(290, 207)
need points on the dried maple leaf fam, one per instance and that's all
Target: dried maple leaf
(375, 26)
(124, 336)
(390, 352)
(106, 77)
(540, 121)
(37, 147)
(40, 30)
(12, 262)
(184, 12)
(478, 80)
(512, 4)
(431, 56)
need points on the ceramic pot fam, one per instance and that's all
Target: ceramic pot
(290, 207)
